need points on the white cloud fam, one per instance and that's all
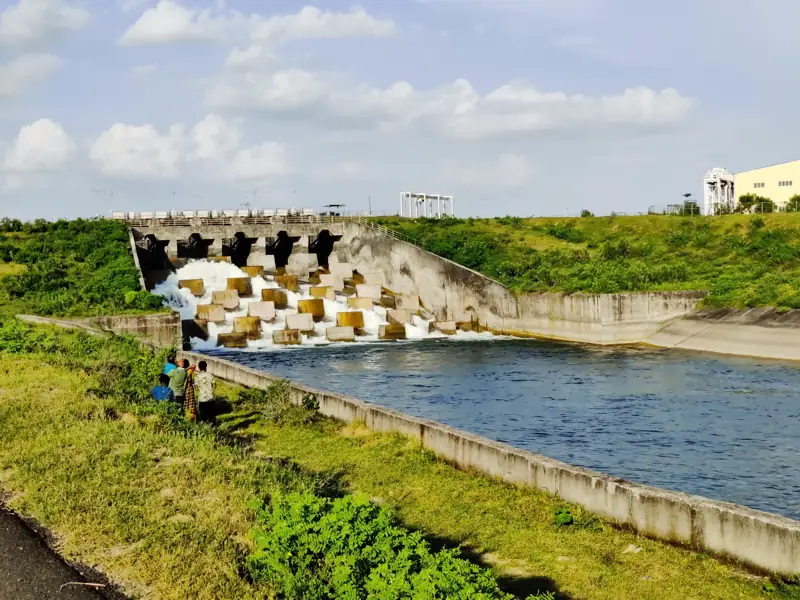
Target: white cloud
(36, 21)
(254, 55)
(170, 22)
(214, 138)
(509, 170)
(26, 72)
(259, 163)
(40, 146)
(138, 151)
(456, 110)
(313, 23)
(142, 70)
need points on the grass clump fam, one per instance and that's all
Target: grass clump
(70, 268)
(741, 260)
(313, 548)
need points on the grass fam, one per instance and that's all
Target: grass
(10, 268)
(741, 260)
(162, 505)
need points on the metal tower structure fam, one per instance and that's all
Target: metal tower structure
(718, 191)
(432, 206)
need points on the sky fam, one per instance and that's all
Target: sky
(514, 107)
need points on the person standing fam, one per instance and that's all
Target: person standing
(204, 386)
(189, 398)
(177, 382)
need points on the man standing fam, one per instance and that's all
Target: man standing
(177, 381)
(204, 386)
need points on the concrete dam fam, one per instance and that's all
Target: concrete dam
(361, 265)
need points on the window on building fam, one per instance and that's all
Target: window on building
(758, 185)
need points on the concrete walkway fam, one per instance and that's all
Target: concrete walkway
(29, 570)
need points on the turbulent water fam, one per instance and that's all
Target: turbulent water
(215, 276)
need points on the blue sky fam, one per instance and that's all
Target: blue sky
(528, 107)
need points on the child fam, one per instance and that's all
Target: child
(162, 391)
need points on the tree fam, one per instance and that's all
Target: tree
(587, 213)
(793, 205)
(765, 206)
(747, 201)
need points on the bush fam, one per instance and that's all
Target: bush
(586, 213)
(313, 548)
(81, 267)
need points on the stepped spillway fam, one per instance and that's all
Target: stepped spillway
(216, 276)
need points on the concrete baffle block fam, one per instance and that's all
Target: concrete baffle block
(226, 259)
(286, 337)
(360, 303)
(302, 322)
(392, 332)
(407, 301)
(275, 295)
(373, 278)
(446, 327)
(388, 301)
(232, 340)
(250, 326)
(214, 313)
(263, 310)
(229, 299)
(314, 277)
(340, 334)
(314, 307)
(322, 291)
(336, 258)
(243, 285)
(356, 279)
(399, 316)
(195, 286)
(253, 270)
(349, 290)
(350, 319)
(194, 328)
(288, 282)
(332, 281)
(266, 261)
(342, 269)
(368, 291)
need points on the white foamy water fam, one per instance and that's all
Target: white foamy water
(215, 277)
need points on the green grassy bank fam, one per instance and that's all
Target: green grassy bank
(167, 507)
(742, 260)
(69, 268)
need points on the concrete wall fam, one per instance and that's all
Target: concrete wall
(760, 540)
(162, 329)
(455, 293)
(758, 332)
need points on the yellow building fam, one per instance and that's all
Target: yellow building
(776, 182)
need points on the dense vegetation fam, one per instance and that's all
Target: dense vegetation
(741, 260)
(70, 268)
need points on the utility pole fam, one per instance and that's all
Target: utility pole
(369, 200)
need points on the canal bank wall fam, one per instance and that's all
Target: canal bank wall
(757, 332)
(455, 293)
(160, 329)
(762, 541)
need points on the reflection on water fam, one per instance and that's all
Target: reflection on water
(720, 427)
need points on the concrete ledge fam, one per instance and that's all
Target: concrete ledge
(725, 337)
(759, 540)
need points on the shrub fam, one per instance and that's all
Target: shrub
(586, 213)
(313, 548)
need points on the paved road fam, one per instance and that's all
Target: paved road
(29, 570)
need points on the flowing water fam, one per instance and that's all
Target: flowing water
(721, 427)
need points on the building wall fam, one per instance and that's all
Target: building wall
(770, 177)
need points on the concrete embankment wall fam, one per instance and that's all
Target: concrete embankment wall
(758, 332)
(161, 329)
(455, 293)
(760, 540)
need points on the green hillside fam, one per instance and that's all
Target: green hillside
(69, 268)
(741, 260)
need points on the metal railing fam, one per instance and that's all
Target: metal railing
(384, 230)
